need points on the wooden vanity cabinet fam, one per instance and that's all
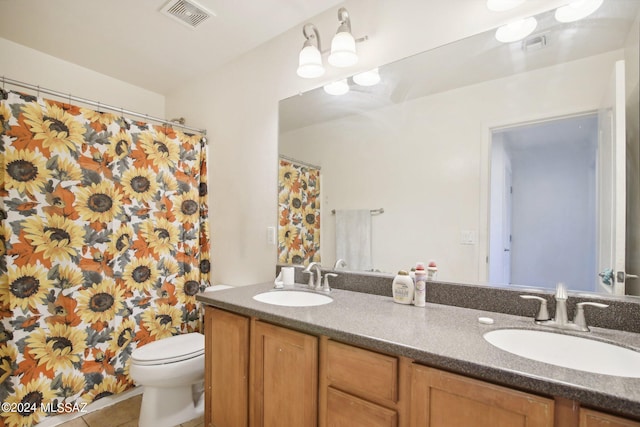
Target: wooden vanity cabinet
(591, 418)
(442, 399)
(259, 374)
(226, 368)
(359, 387)
(284, 377)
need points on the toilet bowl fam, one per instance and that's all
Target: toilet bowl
(172, 373)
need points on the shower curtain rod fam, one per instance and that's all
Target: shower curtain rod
(299, 162)
(99, 105)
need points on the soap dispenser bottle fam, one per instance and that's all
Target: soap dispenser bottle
(402, 288)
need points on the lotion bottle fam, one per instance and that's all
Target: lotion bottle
(421, 286)
(402, 287)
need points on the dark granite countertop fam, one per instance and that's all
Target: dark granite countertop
(445, 337)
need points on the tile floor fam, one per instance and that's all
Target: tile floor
(122, 414)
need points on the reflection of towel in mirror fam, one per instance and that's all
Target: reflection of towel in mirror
(353, 238)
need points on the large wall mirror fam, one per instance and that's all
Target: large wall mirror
(506, 163)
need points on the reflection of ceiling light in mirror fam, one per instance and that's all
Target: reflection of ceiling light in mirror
(337, 88)
(502, 5)
(368, 78)
(577, 9)
(516, 30)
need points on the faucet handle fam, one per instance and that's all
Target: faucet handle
(579, 320)
(543, 313)
(326, 287)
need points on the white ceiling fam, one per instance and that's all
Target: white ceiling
(132, 41)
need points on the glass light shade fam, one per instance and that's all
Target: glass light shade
(339, 87)
(577, 10)
(368, 78)
(516, 30)
(310, 63)
(343, 50)
(502, 5)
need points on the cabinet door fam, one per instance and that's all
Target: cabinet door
(589, 418)
(345, 410)
(284, 377)
(226, 369)
(442, 399)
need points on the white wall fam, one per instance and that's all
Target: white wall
(28, 65)
(238, 104)
(440, 135)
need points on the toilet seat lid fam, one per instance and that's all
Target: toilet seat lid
(171, 349)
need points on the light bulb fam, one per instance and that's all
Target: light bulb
(310, 63)
(343, 50)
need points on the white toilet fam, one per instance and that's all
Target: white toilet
(172, 373)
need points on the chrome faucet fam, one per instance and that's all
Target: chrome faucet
(561, 320)
(339, 263)
(318, 276)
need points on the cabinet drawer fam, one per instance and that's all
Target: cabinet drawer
(345, 410)
(589, 418)
(362, 372)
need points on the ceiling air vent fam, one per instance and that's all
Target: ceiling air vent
(187, 12)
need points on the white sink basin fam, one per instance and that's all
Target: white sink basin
(293, 298)
(568, 351)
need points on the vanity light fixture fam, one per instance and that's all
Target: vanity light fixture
(502, 5)
(339, 87)
(577, 10)
(310, 58)
(343, 46)
(516, 30)
(368, 78)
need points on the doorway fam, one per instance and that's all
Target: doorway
(543, 203)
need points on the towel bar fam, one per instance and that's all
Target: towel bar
(373, 211)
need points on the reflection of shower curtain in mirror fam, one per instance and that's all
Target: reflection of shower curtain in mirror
(104, 244)
(298, 213)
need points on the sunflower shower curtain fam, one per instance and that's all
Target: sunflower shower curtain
(103, 245)
(298, 213)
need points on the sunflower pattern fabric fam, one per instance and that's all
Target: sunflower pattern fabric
(103, 245)
(298, 213)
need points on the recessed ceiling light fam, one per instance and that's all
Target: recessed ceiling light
(339, 87)
(502, 5)
(577, 10)
(516, 30)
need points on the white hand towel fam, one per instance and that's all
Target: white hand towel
(353, 238)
